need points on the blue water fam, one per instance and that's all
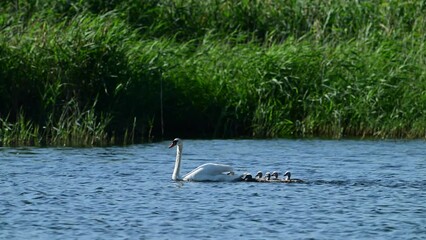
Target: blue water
(353, 190)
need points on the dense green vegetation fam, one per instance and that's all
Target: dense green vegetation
(121, 71)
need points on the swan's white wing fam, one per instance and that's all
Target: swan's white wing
(211, 169)
(210, 172)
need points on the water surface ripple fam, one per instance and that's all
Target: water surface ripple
(353, 190)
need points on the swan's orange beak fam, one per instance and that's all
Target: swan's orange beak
(172, 144)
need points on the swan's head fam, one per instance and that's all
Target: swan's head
(274, 174)
(176, 141)
(288, 175)
(259, 174)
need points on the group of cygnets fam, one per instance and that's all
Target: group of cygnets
(270, 177)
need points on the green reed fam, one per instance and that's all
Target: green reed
(18, 133)
(85, 73)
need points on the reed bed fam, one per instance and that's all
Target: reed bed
(111, 72)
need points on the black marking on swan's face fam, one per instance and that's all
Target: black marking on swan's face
(174, 142)
(259, 174)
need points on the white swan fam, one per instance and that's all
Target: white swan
(206, 172)
(266, 178)
(275, 175)
(259, 175)
(287, 178)
(247, 177)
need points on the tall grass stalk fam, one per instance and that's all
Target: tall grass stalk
(18, 133)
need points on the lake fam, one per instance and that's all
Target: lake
(353, 190)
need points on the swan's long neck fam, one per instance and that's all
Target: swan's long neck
(176, 171)
(288, 174)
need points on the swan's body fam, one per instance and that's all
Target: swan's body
(205, 172)
(287, 178)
